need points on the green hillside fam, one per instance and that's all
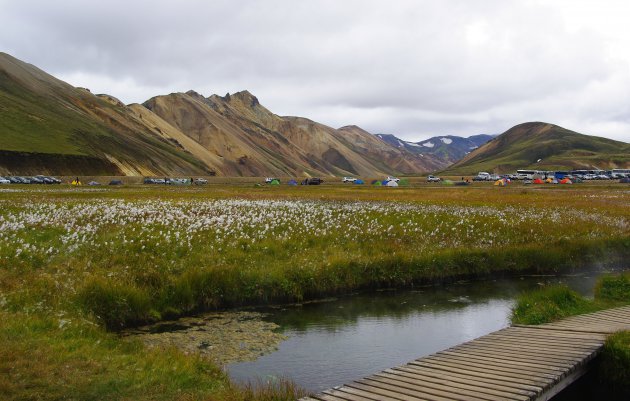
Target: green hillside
(49, 126)
(543, 146)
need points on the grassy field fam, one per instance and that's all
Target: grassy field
(78, 264)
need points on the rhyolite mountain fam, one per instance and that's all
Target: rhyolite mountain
(543, 146)
(449, 148)
(48, 126)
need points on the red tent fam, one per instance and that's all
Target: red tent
(565, 181)
(538, 181)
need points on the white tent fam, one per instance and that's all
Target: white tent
(392, 183)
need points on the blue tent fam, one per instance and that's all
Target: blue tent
(358, 182)
(292, 182)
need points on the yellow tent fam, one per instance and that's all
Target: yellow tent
(500, 183)
(76, 182)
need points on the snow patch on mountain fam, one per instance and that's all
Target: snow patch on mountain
(447, 141)
(428, 144)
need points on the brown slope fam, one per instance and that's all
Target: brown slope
(48, 126)
(387, 157)
(337, 152)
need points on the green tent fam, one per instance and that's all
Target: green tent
(274, 182)
(447, 182)
(378, 183)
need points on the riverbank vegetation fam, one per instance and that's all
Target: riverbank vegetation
(77, 265)
(557, 302)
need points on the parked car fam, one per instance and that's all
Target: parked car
(433, 178)
(494, 177)
(200, 181)
(348, 179)
(178, 181)
(4, 181)
(482, 176)
(36, 180)
(312, 181)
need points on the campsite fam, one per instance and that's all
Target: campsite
(80, 264)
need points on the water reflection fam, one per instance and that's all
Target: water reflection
(351, 337)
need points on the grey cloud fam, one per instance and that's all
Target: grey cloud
(412, 68)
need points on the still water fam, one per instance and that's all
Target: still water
(343, 339)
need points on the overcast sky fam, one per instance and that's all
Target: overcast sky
(412, 68)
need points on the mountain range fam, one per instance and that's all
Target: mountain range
(449, 148)
(50, 127)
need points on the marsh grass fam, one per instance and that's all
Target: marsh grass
(553, 303)
(614, 365)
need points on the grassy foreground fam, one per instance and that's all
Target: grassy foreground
(78, 264)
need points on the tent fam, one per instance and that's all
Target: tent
(274, 182)
(391, 184)
(625, 180)
(538, 181)
(359, 182)
(500, 183)
(462, 183)
(76, 182)
(565, 181)
(94, 183)
(377, 183)
(549, 180)
(447, 182)
(115, 182)
(292, 182)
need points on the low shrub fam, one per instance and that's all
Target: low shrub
(116, 304)
(549, 304)
(614, 288)
(614, 365)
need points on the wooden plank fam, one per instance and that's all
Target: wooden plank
(430, 388)
(543, 335)
(492, 347)
(405, 392)
(558, 333)
(324, 396)
(542, 349)
(576, 330)
(366, 395)
(388, 394)
(498, 366)
(488, 382)
(562, 348)
(495, 359)
(457, 387)
(342, 396)
(530, 354)
(482, 371)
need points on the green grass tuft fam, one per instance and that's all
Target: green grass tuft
(549, 304)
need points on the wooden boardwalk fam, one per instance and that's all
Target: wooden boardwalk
(515, 363)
